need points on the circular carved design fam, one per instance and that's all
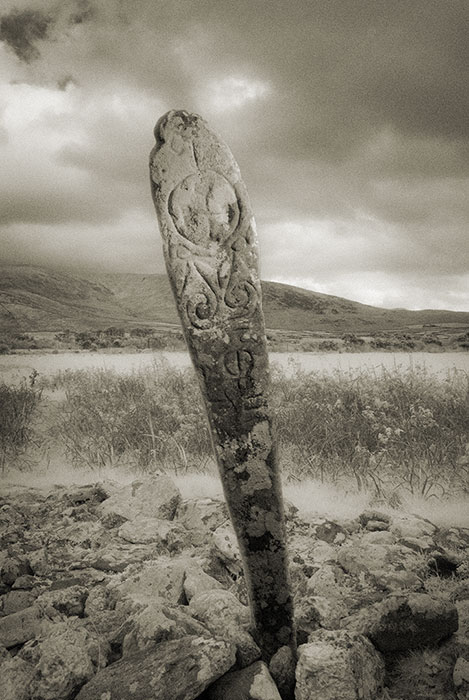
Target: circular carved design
(204, 207)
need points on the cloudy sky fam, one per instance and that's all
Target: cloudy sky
(349, 120)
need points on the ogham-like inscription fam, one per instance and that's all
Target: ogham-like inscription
(210, 250)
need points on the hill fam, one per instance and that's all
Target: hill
(35, 298)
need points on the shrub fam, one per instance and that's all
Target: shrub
(18, 405)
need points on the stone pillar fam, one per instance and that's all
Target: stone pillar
(210, 248)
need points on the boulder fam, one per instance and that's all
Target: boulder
(68, 601)
(374, 520)
(401, 623)
(227, 549)
(205, 514)
(12, 567)
(16, 677)
(142, 530)
(338, 665)
(64, 658)
(312, 612)
(155, 624)
(219, 610)
(180, 669)
(117, 556)
(412, 526)
(461, 678)
(197, 581)
(251, 683)
(21, 626)
(155, 497)
(16, 600)
(161, 579)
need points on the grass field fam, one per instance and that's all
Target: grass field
(391, 433)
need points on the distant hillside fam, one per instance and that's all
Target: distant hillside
(40, 299)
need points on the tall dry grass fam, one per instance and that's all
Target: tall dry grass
(388, 432)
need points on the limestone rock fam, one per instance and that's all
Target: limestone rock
(12, 567)
(178, 670)
(461, 678)
(282, 667)
(312, 612)
(412, 526)
(337, 665)
(16, 600)
(374, 520)
(162, 578)
(219, 610)
(117, 556)
(251, 683)
(16, 677)
(69, 601)
(155, 624)
(197, 581)
(21, 626)
(204, 514)
(227, 549)
(65, 658)
(156, 497)
(400, 623)
(143, 530)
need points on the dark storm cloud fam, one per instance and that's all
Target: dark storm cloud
(351, 113)
(23, 30)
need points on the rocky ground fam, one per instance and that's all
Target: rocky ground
(113, 592)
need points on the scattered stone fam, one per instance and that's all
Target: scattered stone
(16, 600)
(282, 667)
(461, 678)
(251, 683)
(12, 567)
(117, 556)
(16, 677)
(156, 624)
(197, 581)
(156, 497)
(162, 578)
(330, 532)
(21, 626)
(400, 623)
(313, 612)
(338, 665)
(89, 494)
(219, 610)
(226, 547)
(377, 519)
(65, 658)
(412, 526)
(180, 669)
(205, 514)
(68, 601)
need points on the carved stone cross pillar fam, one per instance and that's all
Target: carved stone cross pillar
(210, 249)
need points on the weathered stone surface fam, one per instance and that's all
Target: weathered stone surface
(178, 670)
(65, 658)
(20, 626)
(282, 667)
(69, 601)
(251, 683)
(17, 600)
(210, 249)
(219, 610)
(155, 497)
(338, 665)
(117, 556)
(142, 530)
(226, 547)
(197, 581)
(412, 526)
(16, 677)
(461, 678)
(400, 623)
(162, 578)
(156, 624)
(202, 514)
(11, 567)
